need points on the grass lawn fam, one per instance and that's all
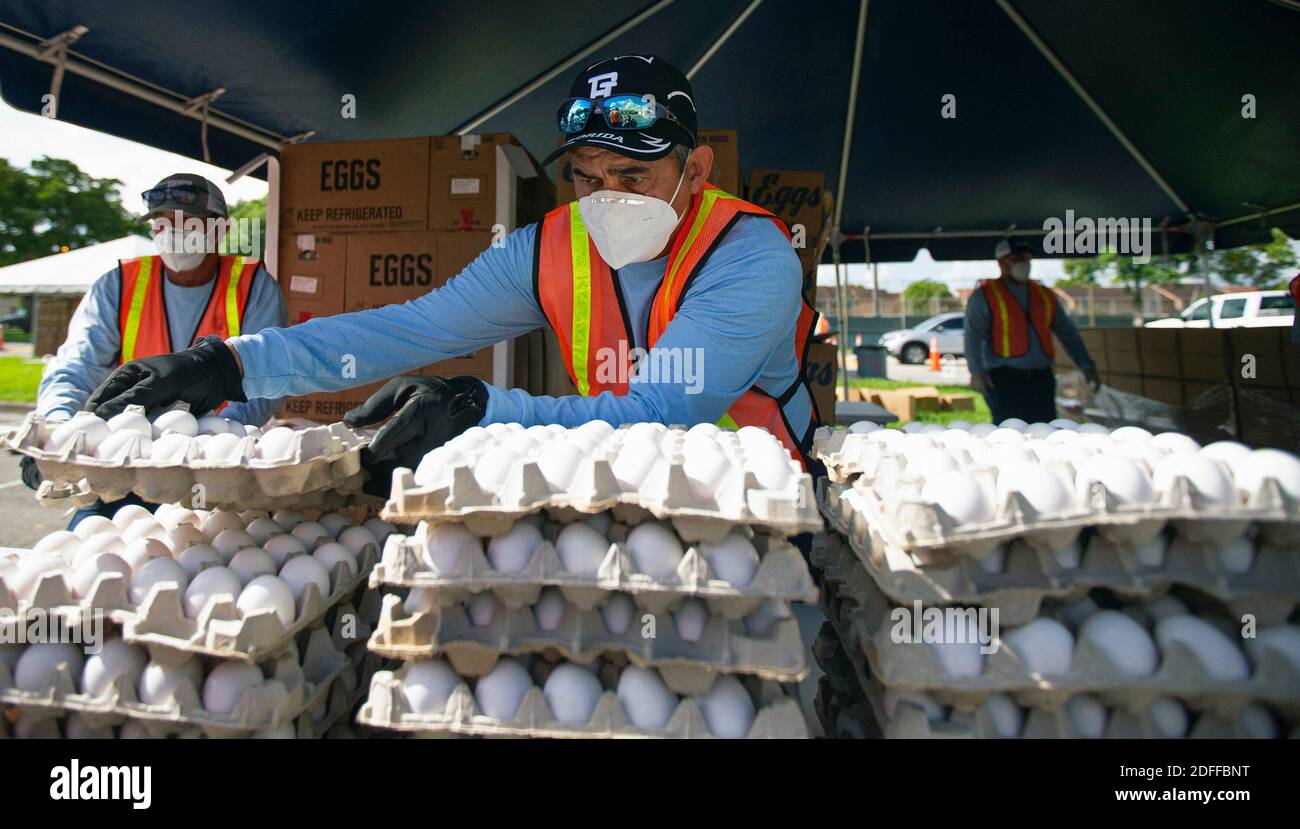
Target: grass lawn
(19, 377)
(980, 415)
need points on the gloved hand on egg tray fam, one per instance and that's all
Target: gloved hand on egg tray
(426, 412)
(204, 375)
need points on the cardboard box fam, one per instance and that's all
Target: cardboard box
(1121, 339)
(328, 407)
(1266, 417)
(467, 183)
(51, 316)
(1255, 356)
(820, 370)
(1163, 391)
(1127, 383)
(390, 268)
(1124, 362)
(726, 160)
(1167, 365)
(1158, 340)
(796, 197)
(311, 272)
(343, 186)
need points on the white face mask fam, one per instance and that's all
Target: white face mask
(627, 227)
(1020, 270)
(181, 250)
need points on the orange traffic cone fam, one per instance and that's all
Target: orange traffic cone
(934, 354)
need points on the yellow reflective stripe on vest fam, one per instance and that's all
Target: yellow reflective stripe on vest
(232, 298)
(710, 196)
(580, 251)
(728, 422)
(1005, 320)
(138, 293)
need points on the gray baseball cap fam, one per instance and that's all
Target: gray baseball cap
(189, 193)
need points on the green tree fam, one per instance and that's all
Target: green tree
(53, 205)
(919, 293)
(1269, 265)
(244, 212)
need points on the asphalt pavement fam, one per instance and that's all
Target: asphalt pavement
(23, 521)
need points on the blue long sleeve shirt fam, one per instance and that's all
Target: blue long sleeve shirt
(94, 342)
(735, 326)
(979, 350)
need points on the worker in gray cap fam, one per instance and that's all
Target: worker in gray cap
(1009, 326)
(153, 305)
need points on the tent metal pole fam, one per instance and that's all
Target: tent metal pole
(841, 286)
(1262, 214)
(554, 72)
(169, 101)
(1064, 72)
(723, 38)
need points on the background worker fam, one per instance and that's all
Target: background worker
(160, 304)
(650, 256)
(1009, 326)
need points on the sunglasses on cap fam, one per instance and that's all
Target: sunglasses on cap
(622, 112)
(172, 194)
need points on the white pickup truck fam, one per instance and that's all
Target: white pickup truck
(1248, 309)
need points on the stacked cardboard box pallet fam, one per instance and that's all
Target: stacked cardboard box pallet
(972, 593)
(594, 583)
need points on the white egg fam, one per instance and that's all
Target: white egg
(1006, 715)
(1169, 717)
(727, 708)
(581, 549)
(216, 425)
(599, 521)
(1130, 434)
(572, 693)
(1218, 655)
(88, 572)
(734, 559)
(62, 543)
(428, 684)
(183, 537)
(227, 684)
(1250, 471)
(549, 609)
(913, 427)
(300, 571)
(436, 466)
(282, 547)
(500, 691)
(1175, 443)
(510, 553)
(559, 461)
(260, 529)
(1043, 489)
(143, 550)
(1093, 429)
(357, 539)
(891, 701)
(493, 467)
(224, 448)
(311, 534)
(960, 655)
(1014, 423)
(30, 569)
(1044, 645)
(1225, 451)
(928, 462)
(1088, 716)
(277, 444)
(176, 420)
(690, 618)
(93, 427)
(761, 620)
(1207, 479)
(1121, 477)
(251, 562)
(332, 555)
(634, 461)
(1164, 607)
(229, 542)
(706, 469)
(771, 467)
(209, 584)
(156, 571)
(1151, 553)
(219, 521)
(380, 528)
(1236, 556)
(1124, 642)
(889, 438)
(419, 600)
(334, 523)
(38, 664)
(93, 525)
(444, 546)
(655, 550)
(145, 528)
(1063, 423)
(129, 515)
(617, 612)
(288, 519)
(1063, 436)
(158, 681)
(498, 431)
(481, 609)
(521, 443)
(960, 496)
(267, 593)
(173, 447)
(1039, 430)
(116, 658)
(645, 698)
(1281, 639)
(983, 430)
(131, 421)
(125, 445)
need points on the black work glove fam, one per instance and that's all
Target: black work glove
(204, 376)
(1094, 380)
(31, 474)
(427, 412)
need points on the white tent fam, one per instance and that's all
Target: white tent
(72, 272)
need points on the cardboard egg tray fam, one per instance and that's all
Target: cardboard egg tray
(905, 521)
(778, 716)
(51, 597)
(322, 459)
(1270, 589)
(686, 667)
(160, 623)
(289, 689)
(863, 618)
(666, 492)
(781, 575)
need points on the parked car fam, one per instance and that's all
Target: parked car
(912, 345)
(1249, 309)
(18, 318)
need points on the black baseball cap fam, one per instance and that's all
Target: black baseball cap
(635, 75)
(188, 193)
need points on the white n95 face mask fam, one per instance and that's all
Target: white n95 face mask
(628, 227)
(1020, 270)
(181, 250)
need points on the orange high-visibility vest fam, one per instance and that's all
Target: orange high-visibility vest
(1009, 329)
(584, 305)
(142, 317)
